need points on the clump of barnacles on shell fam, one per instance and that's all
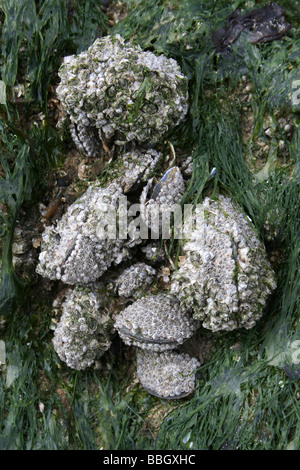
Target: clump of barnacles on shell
(117, 91)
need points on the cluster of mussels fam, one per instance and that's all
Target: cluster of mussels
(118, 91)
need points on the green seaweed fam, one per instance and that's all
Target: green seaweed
(25, 160)
(37, 34)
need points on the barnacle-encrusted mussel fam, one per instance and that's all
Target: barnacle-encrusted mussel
(225, 277)
(114, 86)
(156, 323)
(134, 280)
(85, 328)
(167, 375)
(161, 201)
(82, 246)
(135, 167)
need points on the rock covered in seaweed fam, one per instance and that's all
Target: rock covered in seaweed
(167, 375)
(79, 249)
(225, 277)
(114, 86)
(85, 328)
(134, 280)
(156, 323)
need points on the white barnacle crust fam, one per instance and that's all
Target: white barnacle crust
(134, 280)
(85, 242)
(167, 375)
(85, 328)
(155, 322)
(158, 203)
(135, 167)
(187, 167)
(225, 277)
(115, 86)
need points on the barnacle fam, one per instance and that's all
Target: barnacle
(155, 322)
(116, 87)
(85, 242)
(167, 375)
(134, 280)
(186, 167)
(157, 206)
(85, 328)
(135, 167)
(225, 276)
(153, 251)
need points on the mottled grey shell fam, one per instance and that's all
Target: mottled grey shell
(167, 375)
(155, 322)
(225, 277)
(135, 167)
(157, 204)
(115, 86)
(135, 280)
(80, 248)
(85, 329)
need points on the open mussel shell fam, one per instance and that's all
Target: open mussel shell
(145, 342)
